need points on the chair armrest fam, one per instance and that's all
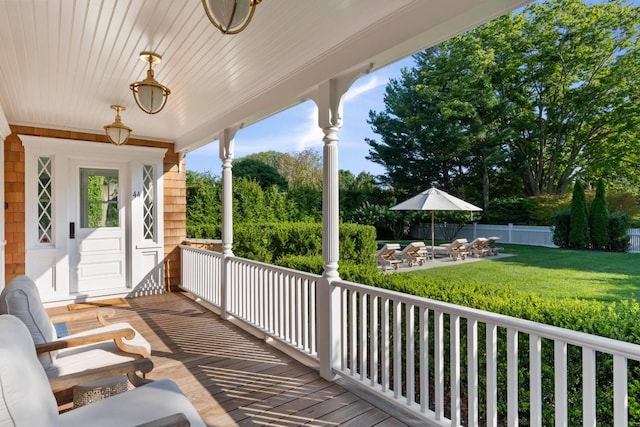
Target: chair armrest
(175, 420)
(100, 315)
(117, 335)
(130, 369)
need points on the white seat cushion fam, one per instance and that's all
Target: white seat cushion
(21, 298)
(144, 404)
(25, 394)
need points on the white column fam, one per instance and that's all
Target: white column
(226, 155)
(328, 98)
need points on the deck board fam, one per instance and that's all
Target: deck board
(233, 378)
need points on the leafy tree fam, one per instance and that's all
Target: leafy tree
(578, 225)
(355, 191)
(599, 218)
(546, 96)
(204, 198)
(299, 168)
(264, 174)
(435, 119)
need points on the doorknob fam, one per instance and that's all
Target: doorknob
(72, 230)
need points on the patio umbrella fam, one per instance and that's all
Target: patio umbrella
(434, 200)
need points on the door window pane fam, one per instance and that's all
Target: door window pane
(44, 200)
(99, 192)
(148, 193)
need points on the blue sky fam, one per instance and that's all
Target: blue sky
(297, 129)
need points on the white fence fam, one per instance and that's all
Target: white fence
(516, 234)
(448, 364)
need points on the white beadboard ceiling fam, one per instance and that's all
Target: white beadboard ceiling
(64, 62)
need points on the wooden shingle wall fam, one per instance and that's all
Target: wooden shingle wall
(174, 199)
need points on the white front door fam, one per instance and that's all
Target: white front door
(98, 229)
(93, 218)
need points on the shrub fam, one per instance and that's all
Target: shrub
(619, 239)
(579, 225)
(599, 219)
(560, 222)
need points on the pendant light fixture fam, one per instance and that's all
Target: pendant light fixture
(117, 132)
(150, 95)
(230, 16)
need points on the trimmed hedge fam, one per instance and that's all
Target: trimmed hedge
(270, 242)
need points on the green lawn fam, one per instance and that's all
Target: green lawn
(552, 273)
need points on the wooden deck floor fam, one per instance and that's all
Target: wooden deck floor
(235, 379)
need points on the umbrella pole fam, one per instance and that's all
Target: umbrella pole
(433, 245)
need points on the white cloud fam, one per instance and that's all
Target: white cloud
(370, 84)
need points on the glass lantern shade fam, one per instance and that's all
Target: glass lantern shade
(118, 135)
(150, 98)
(117, 132)
(230, 16)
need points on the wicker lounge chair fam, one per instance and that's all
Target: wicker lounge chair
(490, 245)
(477, 247)
(386, 256)
(414, 253)
(453, 250)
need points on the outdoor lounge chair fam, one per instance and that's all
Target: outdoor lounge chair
(413, 253)
(453, 250)
(27, 400)
(109, 344)
(490, 245)
(477, 247)
(386, 256)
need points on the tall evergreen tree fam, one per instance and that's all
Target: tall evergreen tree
(579, 225)
(529, 103)
(599, 218)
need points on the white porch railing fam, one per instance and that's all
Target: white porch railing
(277, 301)
(448, 364)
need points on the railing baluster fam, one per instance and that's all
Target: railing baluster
(397, 349)
(560, 382)
(492, 374)
(535, 380)
(472, 372)
(313, 348)
(438, 329)
(454, 361)
(410, 353)
(588, 387)
(385, 345)
(363, 336)
(373, 367)
(353, 322)
(345, 321)
(300, 322)
(620, 392)
(424, 360)
(512, 377)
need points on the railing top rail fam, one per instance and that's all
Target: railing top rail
(598, 343)
(199, 250)
(272, 267)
